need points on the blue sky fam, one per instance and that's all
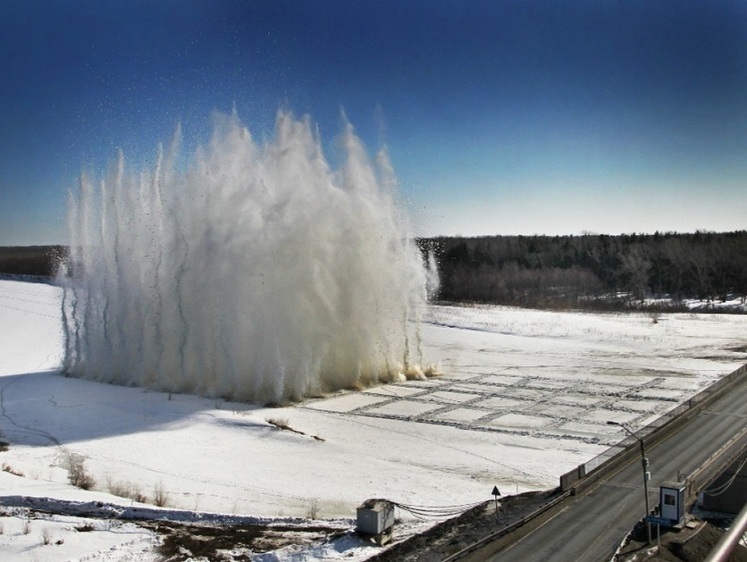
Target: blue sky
(501, 117)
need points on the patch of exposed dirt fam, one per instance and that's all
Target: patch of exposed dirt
(449, 537)
(182, 542)
(692, 543)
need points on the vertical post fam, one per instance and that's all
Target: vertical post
(496, 493)
(644, 465)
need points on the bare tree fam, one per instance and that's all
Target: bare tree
(635, 267)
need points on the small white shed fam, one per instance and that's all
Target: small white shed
(376, 518)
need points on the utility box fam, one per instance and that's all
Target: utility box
(376, 519)
(672, 501)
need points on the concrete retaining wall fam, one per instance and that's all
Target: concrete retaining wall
(728, 491)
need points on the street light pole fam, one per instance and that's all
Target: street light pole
(644, 465)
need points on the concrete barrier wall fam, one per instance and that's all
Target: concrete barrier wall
(728, 491)
(589, 472)
(729, 453)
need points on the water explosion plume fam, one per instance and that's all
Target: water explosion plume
(257, 274)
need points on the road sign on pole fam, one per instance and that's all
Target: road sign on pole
(496, 492)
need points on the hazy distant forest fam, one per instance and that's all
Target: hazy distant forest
(36, 261)
(592, 271)
(588, 271)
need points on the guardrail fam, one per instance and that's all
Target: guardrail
(508, 529)
(590, 471)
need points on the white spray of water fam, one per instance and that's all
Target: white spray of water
(258, 274)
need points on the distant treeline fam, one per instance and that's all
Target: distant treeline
(591, 270)
(587, 271)
(40, 261)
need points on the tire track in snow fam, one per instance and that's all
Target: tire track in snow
(27, 311)
(32, 301)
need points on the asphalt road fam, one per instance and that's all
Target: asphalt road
(591, 526)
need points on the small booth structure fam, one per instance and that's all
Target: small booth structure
(672, 502)
(376, 520)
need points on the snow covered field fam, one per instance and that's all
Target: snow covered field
(524, 397)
